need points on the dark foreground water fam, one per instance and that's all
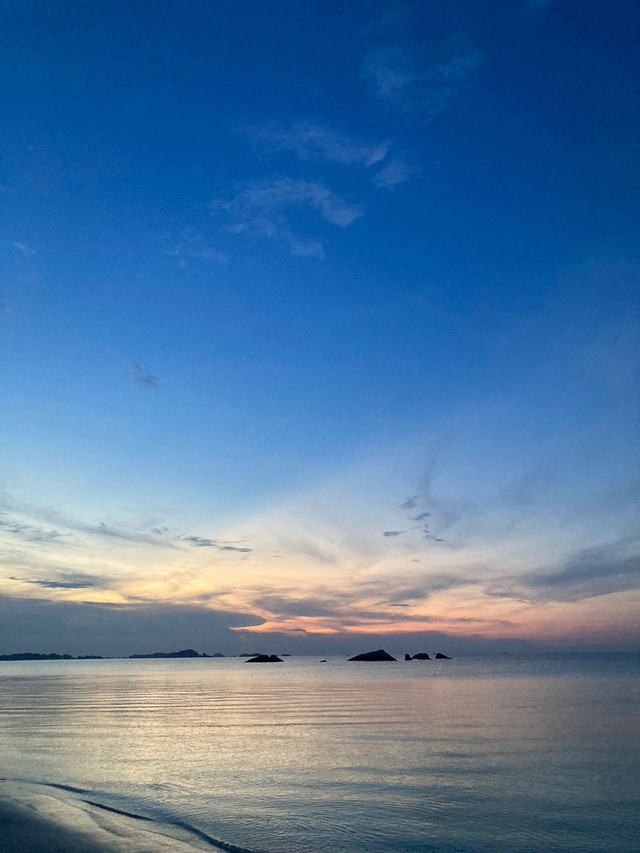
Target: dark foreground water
(478, 754)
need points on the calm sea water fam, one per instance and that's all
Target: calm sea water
(477, 754)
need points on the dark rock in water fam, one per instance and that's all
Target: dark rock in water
(265, 659)
(323, 661)
(440, 656)
(407, 657)
(421, 656)
(380, 654)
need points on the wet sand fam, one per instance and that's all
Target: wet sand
(35, 822)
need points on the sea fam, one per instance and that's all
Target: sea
(516, 754)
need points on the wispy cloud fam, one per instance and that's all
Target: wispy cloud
(395, 172)
(413, 587)
(262, 208)
(68, 580)
(297, 606)
(25, 521)
(142, 379)
(270, 229)
(278, 194)
(199, 541)
(27, 531)
(599, 570)
(606, 568)
(323, 552)
(217, 544)
(403, 84)
(25, 250)
(190, 244)
(422, 516)
(410, 502)
(310, 141)
(356, 607)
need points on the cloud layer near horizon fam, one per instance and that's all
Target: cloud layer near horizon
(505, 566)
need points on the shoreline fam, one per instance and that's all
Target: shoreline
(35, 819)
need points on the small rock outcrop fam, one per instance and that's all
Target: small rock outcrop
(323, 661)
(380, 654)
(265, 659)
(421, 656)
(407, 657)
(440, 656)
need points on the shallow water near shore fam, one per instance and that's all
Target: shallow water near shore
(528, 753)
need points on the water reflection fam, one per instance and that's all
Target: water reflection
(341, 756)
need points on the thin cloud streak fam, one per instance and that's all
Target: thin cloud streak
(28, 532)
(69, 580)
(148, 381)
(309, 141)
(273, 196)
(262, 209)
(218, 545)
(410, 503)
(394, 79)
(18, 518)
(587, 573)
(190, 245)
(396, 172)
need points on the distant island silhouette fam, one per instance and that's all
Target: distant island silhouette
(52, 656)
(252, 657)
(184, 653)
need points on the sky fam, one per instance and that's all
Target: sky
(319, 326)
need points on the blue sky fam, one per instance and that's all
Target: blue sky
(270, 272)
